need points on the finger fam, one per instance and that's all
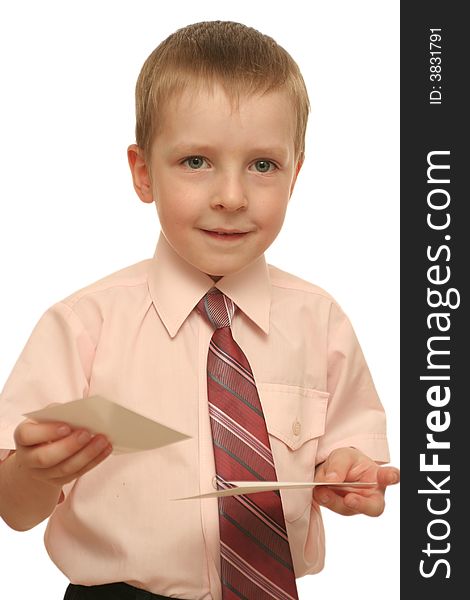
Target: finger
(328, 498)
(29, 434)
(387, 476)
(50, 455)
(319, 494)
(91, 465)
(352, 504)
(372, 506)
(338, 465)
(320, 472)
(83, 461)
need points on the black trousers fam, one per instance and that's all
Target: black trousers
(109, 591)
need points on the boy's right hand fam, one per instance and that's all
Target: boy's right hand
(55, 454)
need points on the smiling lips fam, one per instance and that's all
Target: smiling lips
(225, 234)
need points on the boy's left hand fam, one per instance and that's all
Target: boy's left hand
(349, 464)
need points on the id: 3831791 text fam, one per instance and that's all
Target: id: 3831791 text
(435, 66)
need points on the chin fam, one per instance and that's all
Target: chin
(214, 272)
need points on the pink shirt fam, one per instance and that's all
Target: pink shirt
(134, 337)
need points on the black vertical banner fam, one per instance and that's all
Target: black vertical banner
(435, 332)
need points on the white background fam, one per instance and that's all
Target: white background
(69, 215)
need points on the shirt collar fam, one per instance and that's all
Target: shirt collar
(176, 287)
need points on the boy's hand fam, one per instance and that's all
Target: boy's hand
(55, 454)
(349, 464)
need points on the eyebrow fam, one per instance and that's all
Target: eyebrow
(260, 151)
(188, 148)
(271, 151)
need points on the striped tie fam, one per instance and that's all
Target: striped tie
(256, 562)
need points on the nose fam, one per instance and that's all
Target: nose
(229, 192)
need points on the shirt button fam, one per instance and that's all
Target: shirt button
(296, 427)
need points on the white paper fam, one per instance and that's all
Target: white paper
(252, 487)
(127, 430)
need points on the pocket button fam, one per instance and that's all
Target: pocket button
(296, 428)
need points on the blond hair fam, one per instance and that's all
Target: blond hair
(240, 58)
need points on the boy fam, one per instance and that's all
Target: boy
(221, 118)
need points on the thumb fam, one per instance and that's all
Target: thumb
(387, 476)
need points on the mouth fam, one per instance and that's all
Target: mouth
(226, 234)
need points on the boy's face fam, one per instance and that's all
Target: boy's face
(221, 178)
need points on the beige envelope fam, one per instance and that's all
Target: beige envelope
(125, 429)
(252, 487)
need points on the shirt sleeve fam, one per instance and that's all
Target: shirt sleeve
(54, 367)
(355, 415)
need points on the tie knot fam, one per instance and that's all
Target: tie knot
(216, 307)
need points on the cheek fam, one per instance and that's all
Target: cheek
(272, 216)
(174, 206)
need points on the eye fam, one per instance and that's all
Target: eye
(194, 162)
(264, 166)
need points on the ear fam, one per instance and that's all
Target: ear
(140, 173)
(300, 162)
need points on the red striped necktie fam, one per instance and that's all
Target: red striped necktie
(256, 562)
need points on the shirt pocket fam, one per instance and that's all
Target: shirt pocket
(295, 420)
